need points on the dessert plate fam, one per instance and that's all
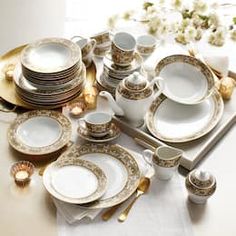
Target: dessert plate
(75, 181)
(187, 80)
(119, 166)
(39, 132)
(38, 56)
(114, 133)
(174, 122)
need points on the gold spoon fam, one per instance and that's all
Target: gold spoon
(142, 188)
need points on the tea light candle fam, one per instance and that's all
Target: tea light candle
(22, 176)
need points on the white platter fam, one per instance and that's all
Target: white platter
(119, 166)
(174, 122)
(187, 80)
(75, 181)
(39, 132)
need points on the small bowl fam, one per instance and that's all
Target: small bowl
(22, 171)
(200, 185)
(146, 44)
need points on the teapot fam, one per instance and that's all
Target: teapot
(134, 94)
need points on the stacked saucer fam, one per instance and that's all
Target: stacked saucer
(113, 73)
(50, 74)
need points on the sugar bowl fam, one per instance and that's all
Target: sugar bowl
(200, 185)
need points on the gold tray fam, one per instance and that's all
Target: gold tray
(7, 87)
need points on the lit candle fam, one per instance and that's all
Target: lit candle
(21, 176)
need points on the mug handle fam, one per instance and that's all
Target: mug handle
(160, 85)
(93, 43)
(148, 156)
(76, 37)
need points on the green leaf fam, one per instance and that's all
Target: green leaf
(146, 5)
(234, 20)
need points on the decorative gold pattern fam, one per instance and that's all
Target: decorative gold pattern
(191, 61)
(121, 57)
(75, 54)
(144, 50)
(132, 94)
(150, 119)
(98, 128)
(101, 51)
(133, 86)
(166, 163)
(16, 143)
(113, 133)
(102, 180)
(133, 172)
(102, 38)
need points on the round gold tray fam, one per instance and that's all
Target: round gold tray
(7, 87)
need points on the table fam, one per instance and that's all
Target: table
(29, 211)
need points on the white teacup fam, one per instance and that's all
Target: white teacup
(146, 44)
(123, 48)
(97, 123)
(166, 161)
(87, 46)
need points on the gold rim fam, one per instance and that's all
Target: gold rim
(115, 151)
(150, 120)
(75, 54)
(98, 172)
(16, 143)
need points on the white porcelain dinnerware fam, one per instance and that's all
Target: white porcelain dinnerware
(119, 166)
(166, 161)
(50, 55)
(102, 38)
(146, 44)
(114, 132)
(97, 124)
(200, 186)
(187, 80)
(134, 95)
(174, 122)
(75, 181)
(87, 46)
(123, 48)
(39, 132)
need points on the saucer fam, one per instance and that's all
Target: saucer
(114, 133)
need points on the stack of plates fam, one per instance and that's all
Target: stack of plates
(50, 74)
(113, 74)
(94, 175)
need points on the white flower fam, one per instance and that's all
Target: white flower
(218, 36)
(190, 33)
(154, 23)
(186, 22)
(199, 6)
(177, 4)
(180, 38)
(199, 33)
(214, 19)
(112, 21)
(151, 10)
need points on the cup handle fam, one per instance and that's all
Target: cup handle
(76, 37)
(81, 122)
(160, 85)
(93, 43)
(148, 156)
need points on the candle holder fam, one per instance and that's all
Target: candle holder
(21, 172)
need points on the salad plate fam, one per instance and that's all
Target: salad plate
(187, 80)
(39, 132)
(75, 181)
(174, 122)
(119, 166)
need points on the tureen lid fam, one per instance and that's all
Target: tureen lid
(135, 81)
(202, 179)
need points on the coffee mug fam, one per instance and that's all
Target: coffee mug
(87, 47)
(97, 123)
(166, 161)
(123, 48)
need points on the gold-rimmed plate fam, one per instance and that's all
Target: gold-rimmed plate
(119, 166)
(39, 132)
(75, 181)
(38, 55)
(176, 123)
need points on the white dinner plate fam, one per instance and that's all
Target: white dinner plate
(186, 79)
(174, 122)
(119, 166)
(50, 55)
(39, 132)
(75, 181)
